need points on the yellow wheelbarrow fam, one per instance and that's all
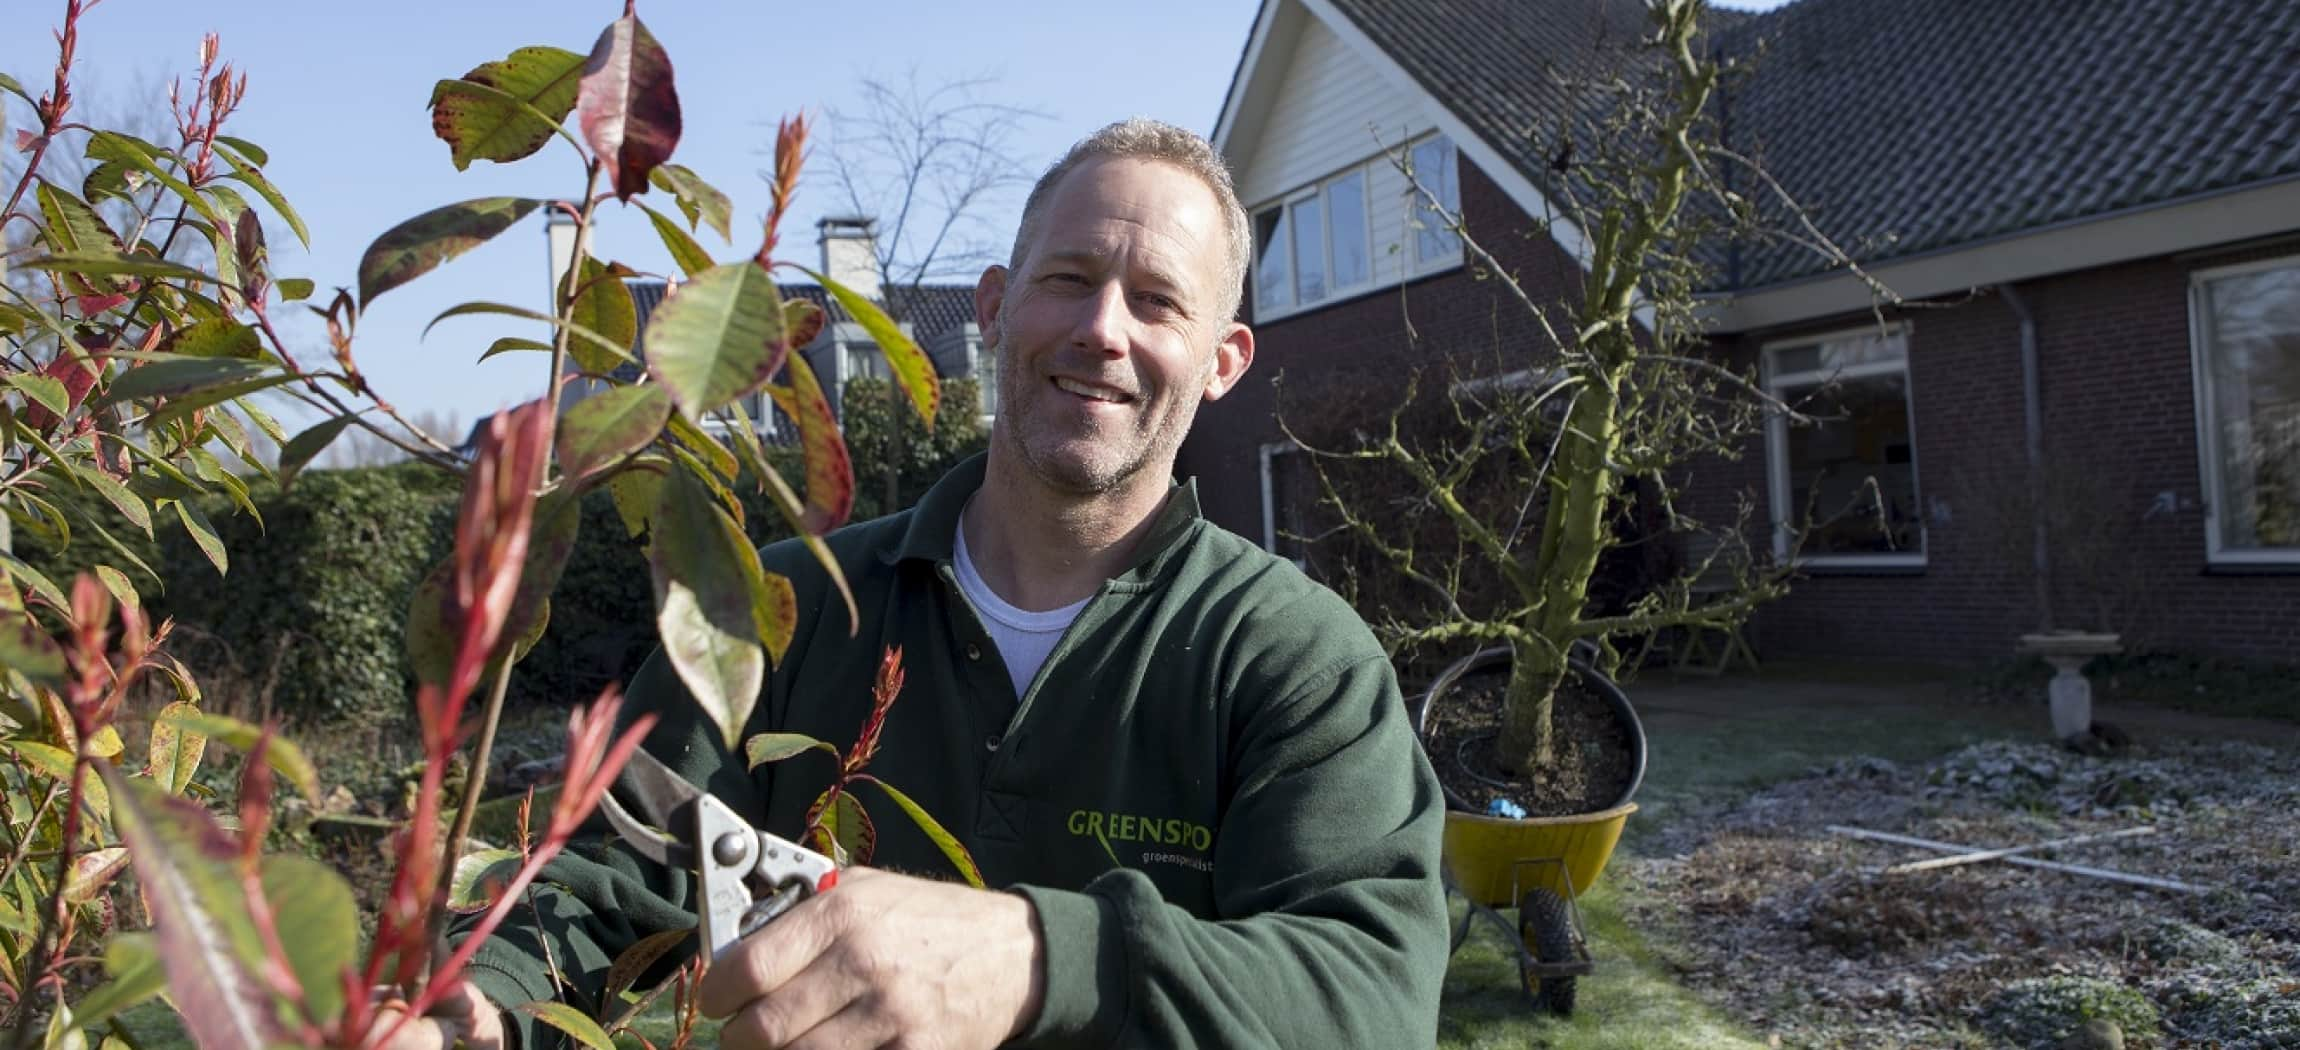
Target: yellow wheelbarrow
(1539, 865)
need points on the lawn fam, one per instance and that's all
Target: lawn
(1708, 741)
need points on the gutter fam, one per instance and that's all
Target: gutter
(2032, 404)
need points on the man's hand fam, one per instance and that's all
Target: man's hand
(460, 1014)
(884, 960)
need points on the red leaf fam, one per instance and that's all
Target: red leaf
(830, 473)
(78, 377)
(629, 105)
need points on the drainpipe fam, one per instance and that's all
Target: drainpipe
(2032, 397)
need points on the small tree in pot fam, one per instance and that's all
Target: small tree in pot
(1578, 445)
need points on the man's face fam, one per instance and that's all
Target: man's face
(1107, 335)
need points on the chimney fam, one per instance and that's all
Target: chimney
(850, 251)
(559, 231)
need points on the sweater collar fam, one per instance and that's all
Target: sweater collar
(932, 531)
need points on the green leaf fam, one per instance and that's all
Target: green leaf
(123, 550)
(505, 110)
(92, 872)
(913, 370)
(182, 375)
(830, 471)
(851, 828)
(27, 648)
(638, 959)
(116, 582)
(698, 200)
(318, 924)
(280, 753)
(774, 605)
(719, 338)
(629, 105)
(130, 505)
(942, 838)
(570, 1020)
(620, 350)
(141, 155)
(74, 228)
(294, 289)
(203, 533)
(113, 264)
(609, 425)
(56, 764)
(183, 405)
(208, 940)
(133, 960)
(110, 179)
(33, 578)
(47, 390)
(265, 423)
(695, 439)
(221, 337)
(603, 304)
(509, 344)
(691, 257)
(417, 246)
(635, 492)
(176, 750)
(703, 613)
(299, 451)
(255, 180)
(9, 84)
(248, 150)
(480, 877)
(775, 747)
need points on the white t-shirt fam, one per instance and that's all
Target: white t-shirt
(1024, 638)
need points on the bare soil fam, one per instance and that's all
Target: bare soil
(1594, 760)
(1793, 930)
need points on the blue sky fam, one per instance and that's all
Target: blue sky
(337, 94)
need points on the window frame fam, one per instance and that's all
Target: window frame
(1448, 192)
(1411, 265)
(1777, 480)
(2207, 434)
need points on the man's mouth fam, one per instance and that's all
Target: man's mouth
(1091, 392)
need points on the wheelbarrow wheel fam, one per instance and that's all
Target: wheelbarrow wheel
(1547, 930)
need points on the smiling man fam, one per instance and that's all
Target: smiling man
(1185, 768)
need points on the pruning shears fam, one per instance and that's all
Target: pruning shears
(745, 878)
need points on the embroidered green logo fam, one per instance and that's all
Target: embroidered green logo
(1174, 832)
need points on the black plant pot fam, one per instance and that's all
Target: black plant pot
(1592, 678)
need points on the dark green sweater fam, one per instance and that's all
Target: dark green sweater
(1210, 792)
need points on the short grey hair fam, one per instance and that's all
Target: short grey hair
(1141, 138)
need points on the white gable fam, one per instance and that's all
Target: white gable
(1330, 105)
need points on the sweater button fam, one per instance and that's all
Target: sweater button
(990, 743)
(973, 651)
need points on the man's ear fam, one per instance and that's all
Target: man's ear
(1232, 356)
(989, 296)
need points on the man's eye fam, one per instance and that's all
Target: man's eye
(1163, 302)
(1066, 278)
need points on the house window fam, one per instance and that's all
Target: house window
(863, 361)
(1846, 480)
(2246, 336)
(1309, 250)
(1346, 220)
(1289, 491)
(1273, 280)
(1435, 169)
(986, 380)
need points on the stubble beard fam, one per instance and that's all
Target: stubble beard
(1110, 461)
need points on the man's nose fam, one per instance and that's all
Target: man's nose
(1103, 320)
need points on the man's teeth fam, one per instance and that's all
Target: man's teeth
(1083, 390)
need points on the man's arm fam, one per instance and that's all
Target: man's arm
(1327, 862)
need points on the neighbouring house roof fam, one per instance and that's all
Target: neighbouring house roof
(1907, 126)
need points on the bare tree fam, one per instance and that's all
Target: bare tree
(931, 164)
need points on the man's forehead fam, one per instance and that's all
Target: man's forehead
(1095, 202)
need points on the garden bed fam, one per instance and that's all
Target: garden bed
(1777, 921)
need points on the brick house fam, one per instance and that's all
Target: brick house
(2095, 206)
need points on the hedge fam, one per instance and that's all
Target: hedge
(314, 610)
